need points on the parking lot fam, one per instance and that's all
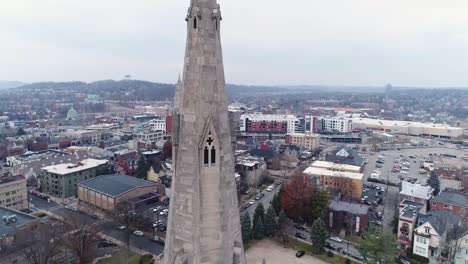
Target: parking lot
(409, 163)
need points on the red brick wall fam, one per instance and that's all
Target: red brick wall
(456, 210)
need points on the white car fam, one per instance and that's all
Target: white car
(122, 227)
(336, 239)
(251, 202)
(270, 188)
(138, 233)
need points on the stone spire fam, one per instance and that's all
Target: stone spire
(204, 223)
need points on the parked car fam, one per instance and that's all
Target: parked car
(299, 227)
(138, 233)
(301, 236)
(251, 202)
(300, 254)
(162, 228)
(122, 227)
(106, 244)
(270, 188)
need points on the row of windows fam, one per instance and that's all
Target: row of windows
(421, 240)
(420, 250)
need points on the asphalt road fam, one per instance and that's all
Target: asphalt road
(348, 247)
(266, 200)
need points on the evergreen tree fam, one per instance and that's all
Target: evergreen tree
(318, 235)
(270, 222)
(20, 132)
(434, 182)
(258, 230)
(259, 213)
(142, 169)
(276, 203)
(378, 246)
(281, 219)
(318, 205)
(246, 227)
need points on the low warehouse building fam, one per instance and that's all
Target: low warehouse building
(106, 192)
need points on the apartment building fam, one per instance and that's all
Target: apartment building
(61, 180)
(13, 192)
(451, 201)
(158, 125)
(303, 140)
(269, 124)
(417, 193)
(320, 124)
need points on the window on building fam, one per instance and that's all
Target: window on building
(213, 155)
(205, 156)
(195, 23)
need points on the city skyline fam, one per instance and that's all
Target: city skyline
(362, 43)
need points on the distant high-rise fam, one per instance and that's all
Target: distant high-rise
(388, 89)
(204, 224)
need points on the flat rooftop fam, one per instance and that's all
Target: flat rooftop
(68, 168)
(314, 171)
(11, 179)
(115, 185)
(334, 166)
(354, 208)
(19, 220)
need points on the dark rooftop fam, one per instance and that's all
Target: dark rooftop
(11, 179)
(19, 219)
(452, 198)
(115, 185)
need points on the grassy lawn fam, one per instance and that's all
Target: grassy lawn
(125, 257)
(336, 259)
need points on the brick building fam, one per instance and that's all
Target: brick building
(452, 202)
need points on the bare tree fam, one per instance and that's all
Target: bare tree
(43, 245)
(81, 236)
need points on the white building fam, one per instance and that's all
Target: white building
(459, 249)
(158, 124)
(407, 128)
(274, 124)
(317, 124)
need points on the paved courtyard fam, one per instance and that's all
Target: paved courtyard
(275, 253)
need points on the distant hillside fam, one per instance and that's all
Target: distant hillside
(10, 84)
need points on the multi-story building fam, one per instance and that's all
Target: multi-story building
(269, 124)
(158, 125)
(431, 233)
(417, 193)
(61, 180)
(452, 202)
(336, 166)
(319, 124)
(407, 128)
(86, 137)
(349, 184)
(353, 217)
(149, 137)
(13, 192)
(303, 140)
(407, 220)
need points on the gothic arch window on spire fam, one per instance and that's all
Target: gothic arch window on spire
(195, 22)
(209, 152)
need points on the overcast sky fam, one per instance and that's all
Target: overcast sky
(265, 42)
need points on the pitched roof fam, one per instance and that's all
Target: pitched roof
(115, 185)
(452, 198)
(345, 155)
(439, 220)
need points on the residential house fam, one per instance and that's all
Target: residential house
(431, 233)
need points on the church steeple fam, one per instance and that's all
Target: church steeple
(204, 223)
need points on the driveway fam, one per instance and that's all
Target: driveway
(275, 253)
